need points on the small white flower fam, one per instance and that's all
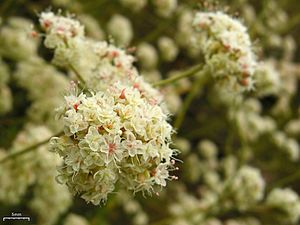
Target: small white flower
(94, 139)
(161, 174)
(75, 121)
(112, 148)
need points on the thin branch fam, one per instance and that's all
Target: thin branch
(189, 98)
(184, 74)
(78, 75)
(286, 180)
(28, 149)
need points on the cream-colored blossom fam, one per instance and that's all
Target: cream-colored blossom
(125, 142)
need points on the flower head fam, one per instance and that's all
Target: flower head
(113, 137)
(227, 49)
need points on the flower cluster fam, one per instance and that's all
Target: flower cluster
(227, 49)
(113, 137)
(48, 209)
(165, 8)
(73, 219)
(36, 169)
(147, 56)
(248, 117)
(33, 73)
(268, 78)
(121, 30)
(61, 29)
(100, 64)
(184, 32)
(135, 5)
(92, 28)
(168, 48)
(5, 93)
(15, 41)
(16, 176)
(134, 208)
(246, 188)
(286, 204)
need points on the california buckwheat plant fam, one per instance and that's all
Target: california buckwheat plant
(150, 112)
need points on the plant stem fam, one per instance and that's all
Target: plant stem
(157, 32)
(28, 149)
(286, 180)
(184, 74)
(78, 75)
(290, 25)
(4, 10)
(189, 98)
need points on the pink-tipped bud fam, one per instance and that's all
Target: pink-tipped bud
(122, 95)
(33, 34)
(75, 106)
(244, 82)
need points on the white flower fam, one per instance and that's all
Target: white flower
(132, 145)
(75, 121)
(112, 148)
(161, 174)
(93, 138)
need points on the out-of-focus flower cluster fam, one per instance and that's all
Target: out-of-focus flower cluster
(37, 169)
(239, 133)
(227, 49)
(5, 92)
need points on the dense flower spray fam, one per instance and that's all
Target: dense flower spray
(113, 137)
(117, 133)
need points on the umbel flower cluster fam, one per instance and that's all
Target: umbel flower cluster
(115, 133)
(35, 170)
(227, 49)
(99, 63)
